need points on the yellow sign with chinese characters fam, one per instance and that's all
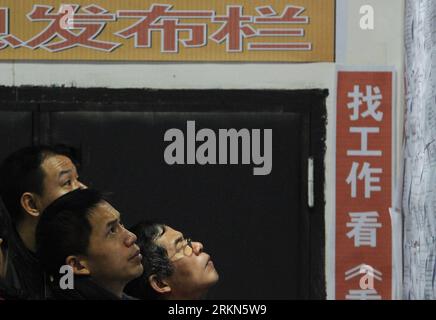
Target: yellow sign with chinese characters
(193, 30)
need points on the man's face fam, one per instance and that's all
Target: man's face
(60, 177)
(194, 272)
(112, 256)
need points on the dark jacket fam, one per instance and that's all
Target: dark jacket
(23, 277)
(24, 272)
(84, 289)
(7, 293)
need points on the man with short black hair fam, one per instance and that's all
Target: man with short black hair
(175, 268)
(83, 231)
(30, 179)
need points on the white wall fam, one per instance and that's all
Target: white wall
(381, 47)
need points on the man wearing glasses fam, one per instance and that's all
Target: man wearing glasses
(175, 268)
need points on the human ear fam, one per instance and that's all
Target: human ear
(29, 203)
(158, 285)
(80, 266)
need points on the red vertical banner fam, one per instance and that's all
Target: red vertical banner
(363, 185)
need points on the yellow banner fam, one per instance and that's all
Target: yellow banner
(192, 30)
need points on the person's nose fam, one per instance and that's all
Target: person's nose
(82, 185)
(197, 247)
(78, 185)
(130, 238)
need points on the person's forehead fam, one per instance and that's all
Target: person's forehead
(102, 214)
(54, 164)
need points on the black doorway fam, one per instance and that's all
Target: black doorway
(266, 242)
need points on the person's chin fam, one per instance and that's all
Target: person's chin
(135, 271)
(213, 276)
(216, 277)
(139, 270)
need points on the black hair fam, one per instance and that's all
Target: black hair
(21, 172)
(154, 260)
(64, 228)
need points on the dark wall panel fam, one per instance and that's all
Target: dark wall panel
(249, 224)
(265, 241)
(15, 131)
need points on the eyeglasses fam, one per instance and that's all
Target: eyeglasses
(185, 250)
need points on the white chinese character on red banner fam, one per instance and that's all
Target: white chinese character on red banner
(364, 142)
(234, 29)
(364, 230)
(366, 173)
(83, 30)
(161, 19)
(372, 99)
(290, 15)
(7, 39)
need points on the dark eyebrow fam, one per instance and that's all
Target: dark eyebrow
(178, 240)
(111, 223)
(65, 172)
(162, 232)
